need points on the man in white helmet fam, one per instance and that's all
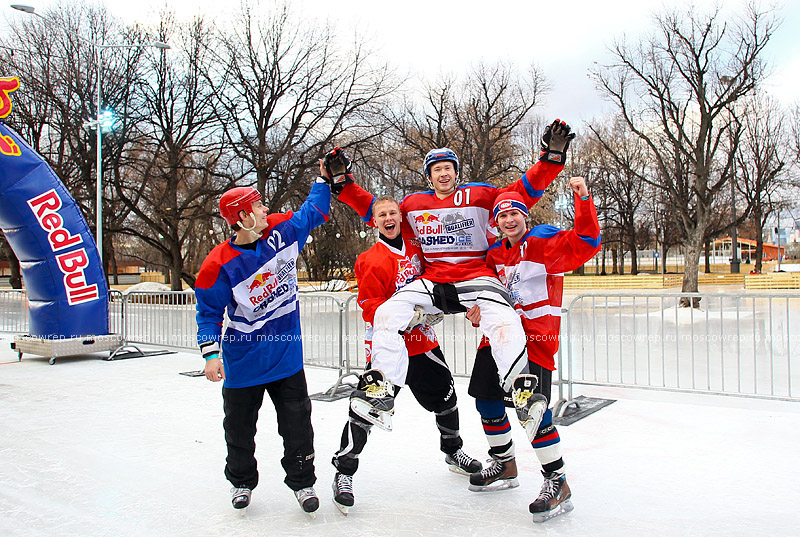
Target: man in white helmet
(253, 278)
(451, 224)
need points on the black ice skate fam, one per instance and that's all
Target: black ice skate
(373, 400)
(530, 406)
(240, 498)
(461, 463)
(308, 500)
(343, 492)
(554, 498)
(498, 475)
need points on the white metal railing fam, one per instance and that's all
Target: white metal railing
(743, 344)
(732, 344)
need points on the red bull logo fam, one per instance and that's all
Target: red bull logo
(260, 280)
(7, 86)
(426, 218)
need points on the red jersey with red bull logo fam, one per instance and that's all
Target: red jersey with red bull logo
(533, 272)
(455, 232)
(381, 271)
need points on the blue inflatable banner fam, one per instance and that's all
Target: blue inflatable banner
(64, 279)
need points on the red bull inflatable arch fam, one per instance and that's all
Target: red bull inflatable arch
(64, 279)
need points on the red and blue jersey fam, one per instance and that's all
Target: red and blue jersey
(533, 271)
(455, 232)
(257, 289)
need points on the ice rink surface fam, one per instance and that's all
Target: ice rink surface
(133, 448)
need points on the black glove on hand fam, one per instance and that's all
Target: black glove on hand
(555, 142)
(338, 166)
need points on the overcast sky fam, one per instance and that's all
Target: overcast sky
(564, 38)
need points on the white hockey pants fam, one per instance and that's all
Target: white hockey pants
(500, 323)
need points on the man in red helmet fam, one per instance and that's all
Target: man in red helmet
(451, 224)
(252, 278)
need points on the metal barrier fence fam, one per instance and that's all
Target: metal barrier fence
(14, 309)
(733, 344)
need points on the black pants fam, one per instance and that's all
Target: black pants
(293, 409)
(431, 383)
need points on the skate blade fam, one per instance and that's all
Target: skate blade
(312, 514)
(241, 512)
(561, 509)
(458, 470)
(344, 509)
(380, 419)
(503, 484)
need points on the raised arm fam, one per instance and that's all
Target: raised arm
(568, 250)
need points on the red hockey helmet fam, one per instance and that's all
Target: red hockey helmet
(240, 198)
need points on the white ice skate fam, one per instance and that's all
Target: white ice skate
(530, 406)
(373, 400)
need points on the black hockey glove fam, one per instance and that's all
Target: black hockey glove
(555, 142)
(338, 166)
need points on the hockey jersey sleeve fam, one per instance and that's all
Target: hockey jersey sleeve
(360, 200)
(375, 284)
(213, 293)
(568, 250)
(314, 212)
(534, 182)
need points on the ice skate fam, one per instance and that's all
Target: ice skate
(373, 400)
(498, 475)
(461, 463)
(530, 406)
(240, 498)
(308, 500)
(343, 492)
(554, 498)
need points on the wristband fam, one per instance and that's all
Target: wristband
(556, 157)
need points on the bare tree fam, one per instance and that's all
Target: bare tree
(672, 90)
(618, 165)
(478, 118)
(173, 180)
(286, 94)
(56, 58)
(760, 164)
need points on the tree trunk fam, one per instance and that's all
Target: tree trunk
(632, 248)
(114, 267)
(15, 280)
(707, 253)
(614, 269)
(691, 264)
(760, 247)
(603, 262)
